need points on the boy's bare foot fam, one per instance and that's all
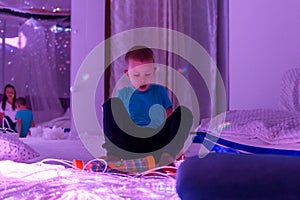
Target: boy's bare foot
(166, 159)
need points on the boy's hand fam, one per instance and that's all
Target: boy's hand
(1, 116)
(110, 158)
(169, 111)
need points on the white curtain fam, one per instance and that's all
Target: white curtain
(199, 20)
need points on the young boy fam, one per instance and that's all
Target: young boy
(140, 121)
(24, 117)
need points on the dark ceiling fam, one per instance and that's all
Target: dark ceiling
(14, 13)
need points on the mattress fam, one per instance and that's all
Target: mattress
(223, 144)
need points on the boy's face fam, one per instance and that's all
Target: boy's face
(18, 106)
(141, 73)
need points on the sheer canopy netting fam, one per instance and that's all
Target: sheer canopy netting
(203, 21)
(41, 81)
(38, 67)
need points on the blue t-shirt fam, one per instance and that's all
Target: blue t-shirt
(146, 108)
(27, 117)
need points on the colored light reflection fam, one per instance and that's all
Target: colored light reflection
(182, 70)
(86, 77)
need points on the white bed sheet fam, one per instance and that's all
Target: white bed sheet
(259, 143)
(67, 149)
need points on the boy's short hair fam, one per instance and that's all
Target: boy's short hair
(140, 53)
(21, 101)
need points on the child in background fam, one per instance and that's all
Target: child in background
(140, 120)
(24, 118)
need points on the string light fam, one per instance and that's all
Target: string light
(41, 180)
(56, 28)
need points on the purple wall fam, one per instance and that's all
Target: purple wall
(264, 43)
(87, 32)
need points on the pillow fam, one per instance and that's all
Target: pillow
(12, 148)
(55, 133)
(290, 90)
(36, 131)
(271, 126)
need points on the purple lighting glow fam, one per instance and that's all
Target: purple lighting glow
(39, 180)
